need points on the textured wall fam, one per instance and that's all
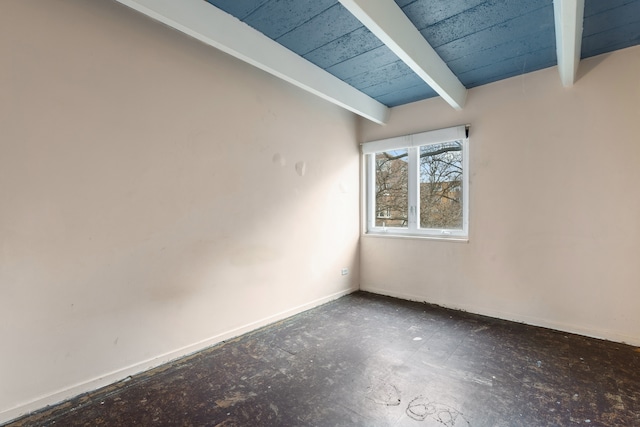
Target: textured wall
(157, 196)
(554, 205)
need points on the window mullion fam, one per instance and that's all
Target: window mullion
(412, 187)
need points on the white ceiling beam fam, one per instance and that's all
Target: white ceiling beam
(568, 16)
(216, 28)
(387, 21)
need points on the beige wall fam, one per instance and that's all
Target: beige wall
(150, 202)
(554, 204)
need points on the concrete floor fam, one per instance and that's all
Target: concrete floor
(367, 360)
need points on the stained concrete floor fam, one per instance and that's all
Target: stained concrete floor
(368, 360)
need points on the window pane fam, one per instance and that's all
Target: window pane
(391, 188)
(441, 185)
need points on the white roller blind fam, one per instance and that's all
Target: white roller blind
(455, 133)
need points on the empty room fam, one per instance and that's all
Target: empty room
(320, 213)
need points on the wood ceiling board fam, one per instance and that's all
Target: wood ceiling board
(390, 72)
(411, 94)
(391, 85)
(511, 67)
(408, 88)
(465, 17)
(277, 17)
(594, 7)
(610, 29)
(496, 54)
(606, 20)
(403, 3)
(400, 88)
(607, 41)
(349, 46)
(470, 23)
(541, 20)
(239, 9)
(322, 29)
(365, 63)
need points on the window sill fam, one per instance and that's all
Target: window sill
(457, 239)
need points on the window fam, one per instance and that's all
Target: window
(418, 184)
(384, 213)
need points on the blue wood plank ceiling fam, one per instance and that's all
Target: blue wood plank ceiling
(481, 41)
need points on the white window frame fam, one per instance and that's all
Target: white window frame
(383, 214)
(413, 143)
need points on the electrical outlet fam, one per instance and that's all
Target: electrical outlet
(344, 271)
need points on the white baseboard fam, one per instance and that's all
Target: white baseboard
(120, 374)
(529, 320)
